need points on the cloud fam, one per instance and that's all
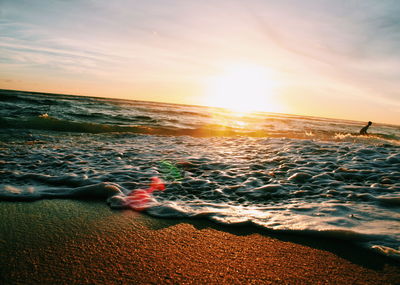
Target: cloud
(347, 46)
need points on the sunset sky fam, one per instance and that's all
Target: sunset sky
(336, 59)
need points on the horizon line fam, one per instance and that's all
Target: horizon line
(195, 105)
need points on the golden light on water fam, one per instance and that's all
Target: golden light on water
(243, 88)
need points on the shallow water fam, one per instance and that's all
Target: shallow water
(281, 172)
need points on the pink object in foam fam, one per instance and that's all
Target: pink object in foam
(139, 198)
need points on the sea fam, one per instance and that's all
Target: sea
(278, 172)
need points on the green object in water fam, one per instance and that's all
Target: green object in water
(170, 171)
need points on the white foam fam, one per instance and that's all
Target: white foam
(388, 251)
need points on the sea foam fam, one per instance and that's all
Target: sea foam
(278, 172)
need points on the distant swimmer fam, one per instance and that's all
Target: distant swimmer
(363, 131)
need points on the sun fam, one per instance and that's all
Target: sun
(243, 88)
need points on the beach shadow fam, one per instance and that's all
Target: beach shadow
(346, 249)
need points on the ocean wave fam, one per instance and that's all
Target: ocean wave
(24, 110)
(149, 126)
(49, 123)
(271, 219)
(102, 190)
(45, 122)
(24, 98)
(275, 171)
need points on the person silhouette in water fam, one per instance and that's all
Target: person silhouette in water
(363, 131)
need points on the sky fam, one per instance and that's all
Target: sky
(335, 59)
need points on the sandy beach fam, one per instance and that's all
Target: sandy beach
(77, 242)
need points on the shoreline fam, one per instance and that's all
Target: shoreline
(66, 241)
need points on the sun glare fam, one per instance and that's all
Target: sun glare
(243, 88)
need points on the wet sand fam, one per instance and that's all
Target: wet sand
(65, 242)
